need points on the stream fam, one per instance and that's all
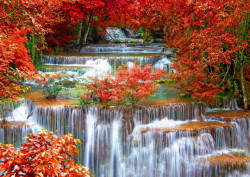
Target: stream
(151, 140)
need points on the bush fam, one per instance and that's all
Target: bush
(44, 154)
(128, 85)
(138, 82)
(52, 84)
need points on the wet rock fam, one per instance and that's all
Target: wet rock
(192, 126)
(13, 124)
(224, 163)
(228, 115)
(41, 99)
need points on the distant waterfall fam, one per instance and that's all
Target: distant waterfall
(114, 33)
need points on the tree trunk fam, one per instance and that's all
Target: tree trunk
(32, 49)
(243, 88)
(79, 33)
(5, 135)
(84, 42)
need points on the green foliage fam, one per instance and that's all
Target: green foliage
(52, 88)
(53, 84)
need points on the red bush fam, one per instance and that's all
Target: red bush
(44, 154)
(128, 85)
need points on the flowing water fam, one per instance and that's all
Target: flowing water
(118, 35)
(147, 141)
(101, 59)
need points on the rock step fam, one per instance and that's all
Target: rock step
(13, 124)
(228, 115)
(240, 117)
(225, 134)
(223, 164)
(192, 126)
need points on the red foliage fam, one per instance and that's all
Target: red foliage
(129, 84)
(138, 81)
(205, 34)
(105, 13)
(44, 154)
(53, 19)
(19, 20)
(71, 12)
(104, 90)
(62, 34)
(15, 62)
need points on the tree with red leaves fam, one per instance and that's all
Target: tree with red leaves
(23, 21)
(128, 85)
(138, 81)
(86, 13)
(44, 154)
(212, 41)
(20, 21)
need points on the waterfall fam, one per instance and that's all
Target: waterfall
(141, 142)
(118, 35)
(165, 64)
(88, 62)
(144, 141)
(124, 49)
(18, 125)
(114, 33)
(91, 120)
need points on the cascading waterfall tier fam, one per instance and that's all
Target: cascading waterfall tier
(240, 117)
(124, 48)
(101, 59)
(18, 125)
(144, 141)
(118, 35)
(223, 163)
(14, 132)
(84, 62)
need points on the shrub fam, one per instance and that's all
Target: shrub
(138, 81)
(104, 90)
(52, 84)
(44, 154)
(128, 85)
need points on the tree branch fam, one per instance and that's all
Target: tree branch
(8, 15)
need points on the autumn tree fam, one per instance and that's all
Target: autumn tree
(44, 154)
(138, 81)
(126, 85)
(84, 14)
(23, 23)
(211, 38)
(26, 26)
